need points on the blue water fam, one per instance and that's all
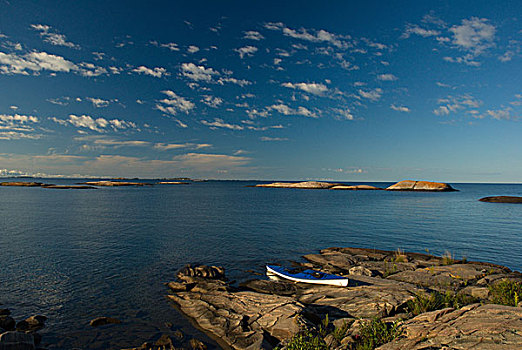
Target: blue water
(74, 255)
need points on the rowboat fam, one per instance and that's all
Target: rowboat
(306, 276)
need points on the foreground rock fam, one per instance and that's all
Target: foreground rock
(263, 313)
(409, 185)
(115, 183)
(22, 184)
(21, 335)
(355, 187)
(502, 199)
(303, 185)
(471, 327)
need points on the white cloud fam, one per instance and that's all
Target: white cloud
(52, 38)
(188, 145)
(192, 49)
(501, 114)
(157, 72)
(415, 29)
(207, 161)
(343, 114)
(212, 101)
(452, 104)
(246, 51)
(17, 126)
(15, 135)
(372, 95)
(475, 35)
(313, 88)
(95, 124)
(198, 73)
(272, 139)
(253, 35)
(387, 77)
(507, 56)
(240, 82)
(219, 123)
(35, 62)
(174, 104)
(286, 110)
(400, 108)
(98, 102)
(118, 143)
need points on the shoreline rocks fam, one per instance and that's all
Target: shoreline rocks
(114, 183)
(502, 199)
(21, 335)
(313, 185)
(263, 313)
(410, 185)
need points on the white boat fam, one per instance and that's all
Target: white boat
(306, 276)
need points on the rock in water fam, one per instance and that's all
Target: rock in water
(355, 187)
(16, 341)
(410, 185)
(7, 323)
(31, 324)
(101, 321)
(212, 272)
(310, 185)
(502, 199)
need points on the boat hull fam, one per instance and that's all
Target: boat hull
(307, 276)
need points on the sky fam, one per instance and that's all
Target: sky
(294, 90)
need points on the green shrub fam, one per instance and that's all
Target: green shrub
(506, 292)
(447, 258)
(306, 340)
(375, 333)
(436, 301)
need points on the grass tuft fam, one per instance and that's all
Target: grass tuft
(435, 301)
(506, 292)
(447, 258)
(375, 333)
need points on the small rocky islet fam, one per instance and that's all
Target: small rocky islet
(388, 286)
(406, 185)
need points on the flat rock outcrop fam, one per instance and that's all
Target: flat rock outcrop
(262, 313)
(22, 184)
(115, 183)
(355, 187)
(69, 187)
(502, 199)
(410, 185)
(302, 185)
(471, 327)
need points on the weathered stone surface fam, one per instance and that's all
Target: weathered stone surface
(241, 319)
(360, 271)
(115, 183)
(21, 183)
(272, 287)
(471, 327)
(302, 185)
(16, 341)
(502, 199)
(410, 185)
(448, 277)
(102, 321)
(355, 187)
(7, 323)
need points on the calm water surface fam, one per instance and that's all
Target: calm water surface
(74, 255)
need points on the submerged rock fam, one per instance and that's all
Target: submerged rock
(302, 185)
(502, 199)
(31, 324)
(16, 341)
(410, 185)
(102, 321)
(7, 323)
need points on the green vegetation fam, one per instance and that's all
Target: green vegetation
(436, 301)
(375, 333)
(506, 292)
(389, 268)
(400, 257)
(306, 340)
(447, 258)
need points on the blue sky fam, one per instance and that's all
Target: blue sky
(337, 90)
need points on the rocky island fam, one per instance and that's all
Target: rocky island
(410, 185)
(502, 199)
(417, 301)
(406, 185)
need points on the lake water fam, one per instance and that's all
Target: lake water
(74, 255)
